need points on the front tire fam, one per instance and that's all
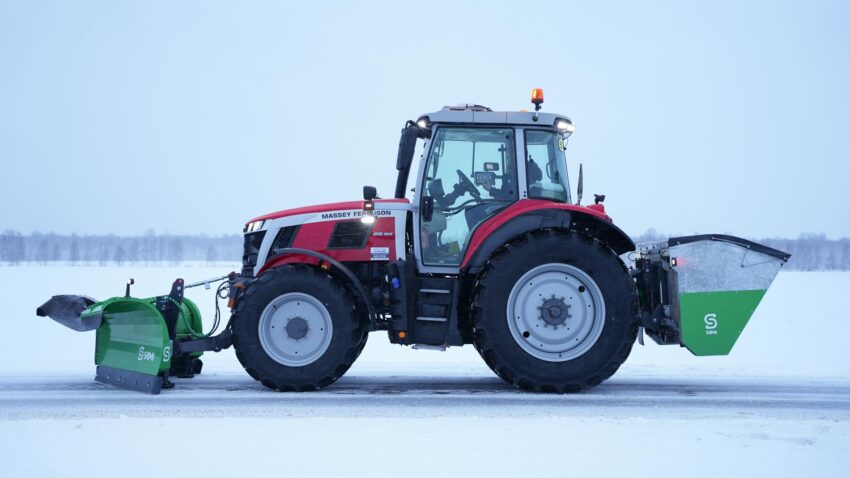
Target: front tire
(554, 312)
(297, 329)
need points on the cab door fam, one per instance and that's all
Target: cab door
(470, 174)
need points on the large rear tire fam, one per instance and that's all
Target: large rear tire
(554, 312)
(296, 328)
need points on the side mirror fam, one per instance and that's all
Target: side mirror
(580, 187)
(406, 147)
(369, 193)
(427, 208)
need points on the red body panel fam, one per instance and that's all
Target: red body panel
(316, 236)
(483, 231)
(336, 206)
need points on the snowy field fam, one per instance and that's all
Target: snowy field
(779, 405)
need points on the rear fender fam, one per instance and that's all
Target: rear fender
(536, 219)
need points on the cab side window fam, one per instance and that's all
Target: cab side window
(470, 175)
(546, 166)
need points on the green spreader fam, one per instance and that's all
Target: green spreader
(704, 289)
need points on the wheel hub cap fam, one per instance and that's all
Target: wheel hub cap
(556, 312)
(295, 329)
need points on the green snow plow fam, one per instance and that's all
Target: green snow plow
(140, 343)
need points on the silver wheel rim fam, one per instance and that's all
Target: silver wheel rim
(556, 312)
(295, 329)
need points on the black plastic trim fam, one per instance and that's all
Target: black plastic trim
(251, 250)
(754, 246)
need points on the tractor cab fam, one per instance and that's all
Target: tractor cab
(475, 163)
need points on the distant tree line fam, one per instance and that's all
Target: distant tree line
(37, 248)
(810, 252)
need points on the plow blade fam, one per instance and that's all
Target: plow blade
(133, 349)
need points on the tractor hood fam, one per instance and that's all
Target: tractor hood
(334, 206)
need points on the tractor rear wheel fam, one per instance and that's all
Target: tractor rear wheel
(554, 312)
(296, 328)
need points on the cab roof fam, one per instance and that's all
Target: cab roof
(477, 114)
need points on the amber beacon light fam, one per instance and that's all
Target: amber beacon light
(537, 98)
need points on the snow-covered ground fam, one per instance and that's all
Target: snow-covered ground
(779, 405)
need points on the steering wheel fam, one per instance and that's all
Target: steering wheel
(466, 184)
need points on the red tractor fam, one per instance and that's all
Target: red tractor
(491, 251)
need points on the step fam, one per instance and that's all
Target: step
(432, 319)
(435, 291)
(439, 348)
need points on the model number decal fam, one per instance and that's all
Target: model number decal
(144, 355)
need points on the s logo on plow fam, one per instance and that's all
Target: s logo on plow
(710, 324)
(145, 355)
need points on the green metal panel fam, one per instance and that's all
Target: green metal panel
(711, 322)
(133, 336)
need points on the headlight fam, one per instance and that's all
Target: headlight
(565, 125)
(253, 226)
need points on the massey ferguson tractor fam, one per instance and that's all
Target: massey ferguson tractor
(492, 250)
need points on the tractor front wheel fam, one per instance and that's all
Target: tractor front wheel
(554, 312)
(297, 329)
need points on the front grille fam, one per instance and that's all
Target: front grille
(253, 241)
(349, 235)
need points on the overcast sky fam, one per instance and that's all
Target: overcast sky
(193, 117)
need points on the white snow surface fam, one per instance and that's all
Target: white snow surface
(779, 405)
